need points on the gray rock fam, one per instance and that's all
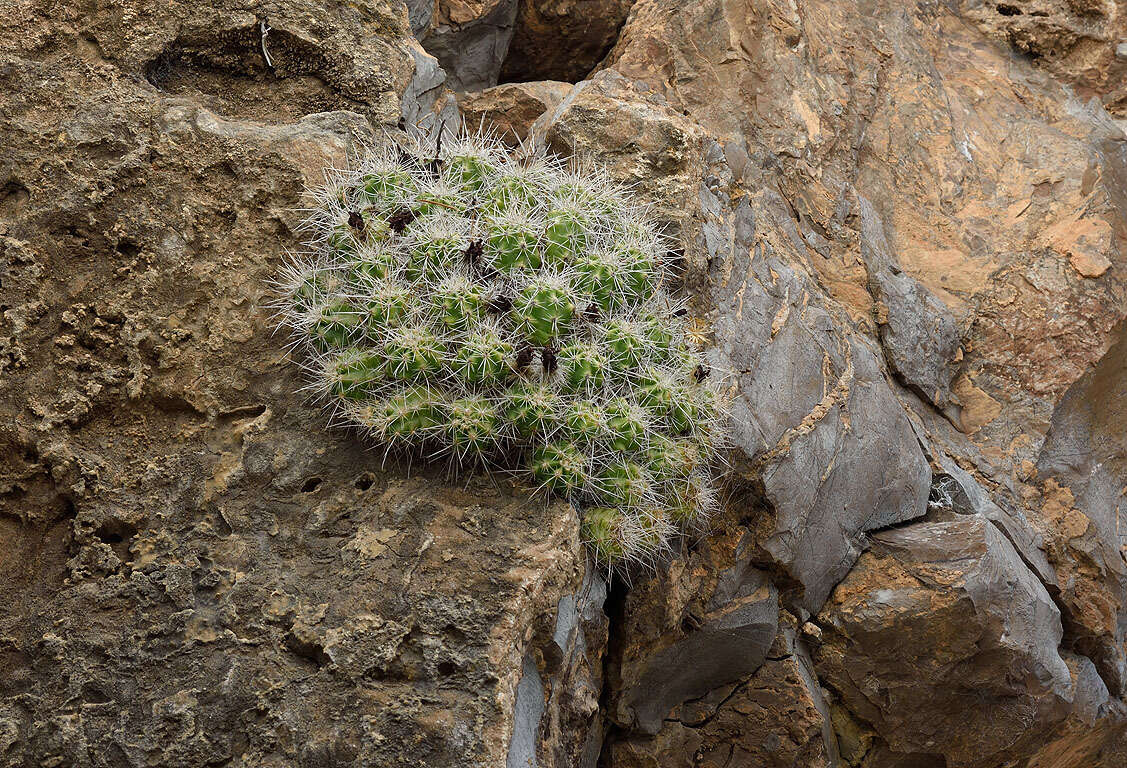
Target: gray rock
(956, 490)
(946, 644)
(472, 52)
(1083, 463)
(917, 331)
(729, 643)
(813, 413)
(527, 711)
(428, 105)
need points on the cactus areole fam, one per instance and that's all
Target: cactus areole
(509, 310)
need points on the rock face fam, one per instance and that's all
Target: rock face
(470, 40)
(941, 623)
(207, 575)
(511, 109)
(1081, 41)
(899, 231)
(562, 39)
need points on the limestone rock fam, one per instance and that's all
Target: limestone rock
(207, 573)
(1077, 40)
(775, 717)
(913, 110)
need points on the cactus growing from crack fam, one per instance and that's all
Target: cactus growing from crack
(506, 310)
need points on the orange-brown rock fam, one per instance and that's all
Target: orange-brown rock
(1080, 41)
(511, 109)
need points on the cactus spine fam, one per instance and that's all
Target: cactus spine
(510, 311)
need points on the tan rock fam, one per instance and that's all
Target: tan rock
(1077, 40)
(207, 573)
(511, 109)
(972, 177)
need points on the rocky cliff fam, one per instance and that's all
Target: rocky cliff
(903, 228)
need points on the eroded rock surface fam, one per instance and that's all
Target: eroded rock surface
(940, 623)
(899, 230)
(207, 575)
(511, 109)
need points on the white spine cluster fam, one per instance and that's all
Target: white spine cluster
(508, 311)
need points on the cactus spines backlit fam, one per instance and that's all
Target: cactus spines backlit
(510, 311)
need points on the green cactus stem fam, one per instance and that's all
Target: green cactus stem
(482, 357)
(353, 375)
(406, 418)
(565, 236)
(470, 171)
(625, 483)
(668, 398)
(460, 302)
(371, 266)
(582, 365)
(412, 353)
(673, 459)
(386, 306)
(561, 468)
(586, 422)
(624, 344)
(335, 325)
(532, 409)
(627, 425)
(470, 426)
(512, 243)
(386, 189)
(602, 530)
(543, 310)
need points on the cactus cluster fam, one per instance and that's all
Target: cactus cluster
(506, 310)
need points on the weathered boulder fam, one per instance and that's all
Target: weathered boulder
(947, 645)
(511, 109)
(996, 191)
(773, 718)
